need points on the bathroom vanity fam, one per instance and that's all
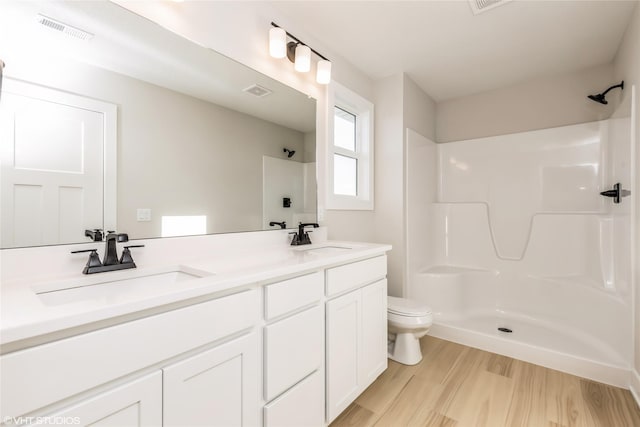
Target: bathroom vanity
(278, 336)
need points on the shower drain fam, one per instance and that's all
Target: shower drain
(507, 330)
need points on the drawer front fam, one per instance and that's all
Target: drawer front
(72, 365)
(293, 349)
(302, 406)
(283, 297)
(349, 276)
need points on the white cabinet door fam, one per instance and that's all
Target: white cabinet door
(138, 403)
(373, 360)
(343, 347)
(356, 344)
(218, 387)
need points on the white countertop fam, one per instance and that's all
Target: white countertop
(25, 314)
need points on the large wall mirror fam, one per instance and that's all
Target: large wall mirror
(197, 143)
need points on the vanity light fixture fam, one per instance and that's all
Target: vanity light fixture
(302, 58)
(277, 42)
(298, 53)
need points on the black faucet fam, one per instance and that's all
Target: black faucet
(282, 224)
(95, 234)
(110, 250)
(302, 237)
(110, 261)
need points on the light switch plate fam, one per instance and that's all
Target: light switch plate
(144, 214)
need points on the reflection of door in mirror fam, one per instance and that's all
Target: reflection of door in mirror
(52, 146)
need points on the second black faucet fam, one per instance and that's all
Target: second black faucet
(302, 237)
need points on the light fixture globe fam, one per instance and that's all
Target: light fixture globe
(323, 72)
(277, 42)
(303, 58)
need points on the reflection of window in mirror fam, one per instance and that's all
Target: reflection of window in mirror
(183, 225)
(350, 161)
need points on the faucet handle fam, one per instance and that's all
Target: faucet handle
(94, 259)
(126, 257)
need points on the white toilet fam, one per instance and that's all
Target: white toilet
(408, 322)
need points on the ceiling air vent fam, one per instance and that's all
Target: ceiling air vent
(257, 90)
(64, 28)
(479, 6)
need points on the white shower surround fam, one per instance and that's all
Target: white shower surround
(518, 237)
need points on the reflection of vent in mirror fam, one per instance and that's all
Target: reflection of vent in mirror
(479, 6)
(64, 28)
(257, 90)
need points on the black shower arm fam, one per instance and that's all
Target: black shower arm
(621, 86)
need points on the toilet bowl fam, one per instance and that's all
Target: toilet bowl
(408, 322)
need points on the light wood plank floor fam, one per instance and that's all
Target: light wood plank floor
(460, 386)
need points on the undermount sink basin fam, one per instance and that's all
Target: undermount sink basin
(325, 250)
(120, 289)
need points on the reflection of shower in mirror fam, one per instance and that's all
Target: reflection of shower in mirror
(1, 68)
(290, 153)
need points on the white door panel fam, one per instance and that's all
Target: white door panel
(52, 152)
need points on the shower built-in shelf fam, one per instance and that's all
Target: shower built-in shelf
(451, 270)
(582, 281)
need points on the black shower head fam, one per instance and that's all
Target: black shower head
(598, 98)
(601, 96)
(290, 153)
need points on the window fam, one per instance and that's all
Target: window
(350, 154)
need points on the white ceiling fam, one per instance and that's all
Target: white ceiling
(450, 53)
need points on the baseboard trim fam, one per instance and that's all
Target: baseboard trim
(634, 386)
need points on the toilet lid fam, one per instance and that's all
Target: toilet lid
(406, 307)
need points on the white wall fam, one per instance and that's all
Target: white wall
(626, 67)
(400, 104)
(546, 102)
(389, 158)
(419, 110)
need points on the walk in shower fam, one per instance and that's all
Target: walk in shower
(520, 254)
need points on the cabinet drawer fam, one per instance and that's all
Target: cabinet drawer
(79, 363)
(293, 349)
(302, 406)
(283, 297)
(345, 277)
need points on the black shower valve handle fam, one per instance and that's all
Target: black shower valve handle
(616, 193)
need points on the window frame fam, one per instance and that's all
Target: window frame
(363, 110)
